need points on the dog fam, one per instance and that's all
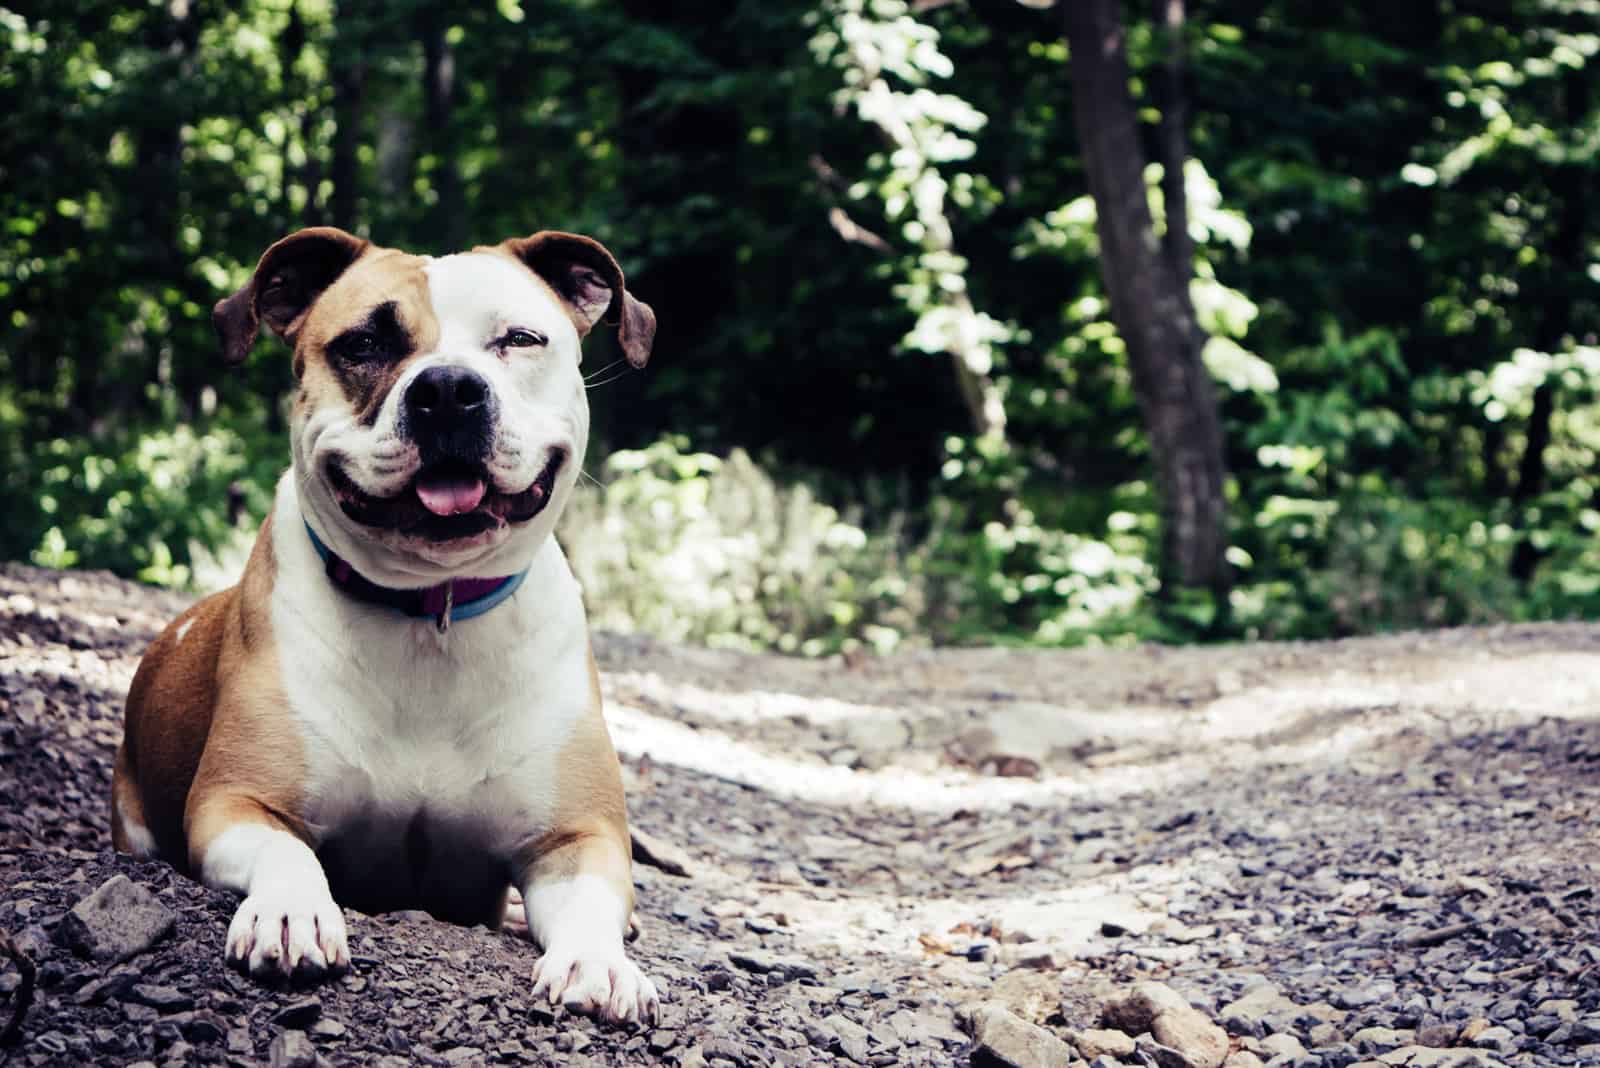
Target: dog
(397, 707)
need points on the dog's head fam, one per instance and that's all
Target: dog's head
(440, 418)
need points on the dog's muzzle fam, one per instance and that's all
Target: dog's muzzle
(449, 412)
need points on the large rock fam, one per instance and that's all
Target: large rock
(120, 920)
(1001, 1039)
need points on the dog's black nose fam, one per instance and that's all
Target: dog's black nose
(447, 398)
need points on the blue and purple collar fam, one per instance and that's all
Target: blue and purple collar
(448, 602)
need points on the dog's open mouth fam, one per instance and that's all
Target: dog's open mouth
(447, 500)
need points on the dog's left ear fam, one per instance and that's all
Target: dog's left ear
(287, 281)
(587, 278)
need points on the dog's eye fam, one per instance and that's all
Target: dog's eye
(522, 339)
(360, 345)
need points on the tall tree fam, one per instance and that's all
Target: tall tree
(1150, 304)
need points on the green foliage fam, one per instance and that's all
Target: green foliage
(864, 227)
(128, 503)
(690, 547)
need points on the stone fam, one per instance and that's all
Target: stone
(660, 853)
(1020, 737)
(291, 1049)
(1031, 995)
(850, 1037)
(1381, 1039)
(1256, 1002)
(1002, 1039)
(1201, 1043)
(118, 921)
(163, 999)
(1242, 1058)
(1134, 1011)
(1097, 1042)
(1282, 1045)
(762, 963)
(299, 1014)
(1502, 1039)
(1325, 1034)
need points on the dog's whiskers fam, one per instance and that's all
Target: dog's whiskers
(584, 474)
(602, 370)
(606, 382)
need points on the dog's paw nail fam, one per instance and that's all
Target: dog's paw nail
(607, 986)
(288, 937)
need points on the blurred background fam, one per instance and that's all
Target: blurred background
(980, 321)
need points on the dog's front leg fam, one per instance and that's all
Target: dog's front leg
(288, 925)
(577, 891)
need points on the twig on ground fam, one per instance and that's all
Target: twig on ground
(23, 998)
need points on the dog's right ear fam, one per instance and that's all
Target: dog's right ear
(288, 280)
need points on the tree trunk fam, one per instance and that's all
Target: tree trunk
(1174, 136)
(1569, 181)
(439, 93)
(1150, 305)
(349, 77)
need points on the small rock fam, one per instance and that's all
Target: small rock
(1134, 1011)
(1201, 1043)
(163, 999)
(1500, 1038)
(1001, 1039)
(1256, 1002)
(120, 920)
(1031, 995)
(299, 1014)
(239, 1041)
(114, 985)
(1381, 1039)
(761, 962)
(292, 1049)
(659, 853)
(851, 1037)
(1242, 1058)
(1363, 994)
(1282, 1045)
(1098, 1042)
(1038, 956)
(1325, 1034)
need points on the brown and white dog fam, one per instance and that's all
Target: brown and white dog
(397, 707)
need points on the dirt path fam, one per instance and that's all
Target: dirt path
(1389, 843)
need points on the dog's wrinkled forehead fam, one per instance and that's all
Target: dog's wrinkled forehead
(365, 329)
(475, 293)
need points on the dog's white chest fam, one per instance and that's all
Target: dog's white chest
(429, 758)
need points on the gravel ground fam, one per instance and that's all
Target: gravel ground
(1367, 852)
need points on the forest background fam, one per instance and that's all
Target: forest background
(932, 365)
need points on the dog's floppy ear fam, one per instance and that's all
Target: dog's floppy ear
(288, 280)
(587, 278)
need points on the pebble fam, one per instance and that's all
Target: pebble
(291, 1049)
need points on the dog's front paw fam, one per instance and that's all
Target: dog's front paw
(288, 935)
(603, 984)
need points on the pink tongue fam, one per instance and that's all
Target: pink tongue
(443, 495)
